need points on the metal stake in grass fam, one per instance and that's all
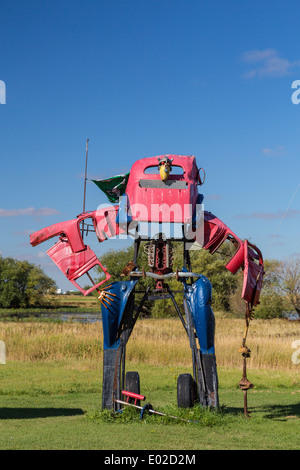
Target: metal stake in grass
(149, 408)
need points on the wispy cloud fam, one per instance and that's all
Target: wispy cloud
(278, 151)
(270, 215)
(268, 63)
(31, 211)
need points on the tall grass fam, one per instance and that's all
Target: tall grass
(164, 342)
(154, 341)
(33, 341)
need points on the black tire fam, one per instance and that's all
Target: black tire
(132, 384)
(185, 391)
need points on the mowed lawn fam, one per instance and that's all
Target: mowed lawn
(50, 388)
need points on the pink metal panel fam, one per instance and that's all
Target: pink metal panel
(215, 234)
(69, 229)
(148, 199)
(253, 274)
(70, 254)
(237, 260)
(247, 256)
(104, 221)
(74, 265)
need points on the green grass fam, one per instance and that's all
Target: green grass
(57, 405)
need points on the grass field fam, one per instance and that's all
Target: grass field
(50, 388)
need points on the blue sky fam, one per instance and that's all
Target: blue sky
(142, 78)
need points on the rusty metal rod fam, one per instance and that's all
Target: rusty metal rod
(245, 384)
(246, 404)
(163, 276)
(245, 391)
(93, 282)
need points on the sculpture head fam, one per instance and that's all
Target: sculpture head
(164, 166)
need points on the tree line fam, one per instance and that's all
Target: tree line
(23, 284)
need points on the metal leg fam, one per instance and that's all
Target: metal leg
(114, 359)
(196, 356)
(201, 319)
(110, 361)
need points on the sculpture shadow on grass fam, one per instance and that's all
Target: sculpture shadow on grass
(280, 412)
(32, 413)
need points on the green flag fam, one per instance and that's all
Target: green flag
(113, 187)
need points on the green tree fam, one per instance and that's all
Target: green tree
(38, 285)
(273, 302)
(289, 279)
(23, 284)
(116, 260)
(224, 283)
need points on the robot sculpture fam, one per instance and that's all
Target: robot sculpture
(159, 205)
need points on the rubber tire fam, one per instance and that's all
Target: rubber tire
(185, 391)
(132, 384)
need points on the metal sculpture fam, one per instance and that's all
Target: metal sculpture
(159, 204)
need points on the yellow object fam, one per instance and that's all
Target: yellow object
(164, 172)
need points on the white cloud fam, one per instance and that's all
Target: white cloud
(28, 211)
(278, 151)
(269, 63)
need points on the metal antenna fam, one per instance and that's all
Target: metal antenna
(85, 178)
(86, 158)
